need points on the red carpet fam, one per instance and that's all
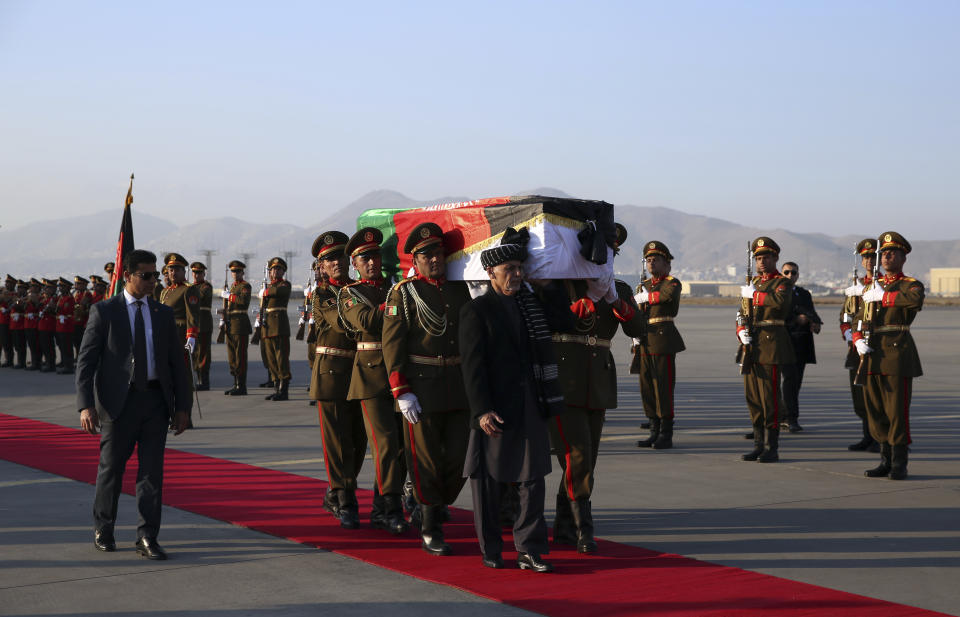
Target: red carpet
(622, 580)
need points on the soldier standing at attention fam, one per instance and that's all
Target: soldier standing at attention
(237, 327)
(183, 299)
(65, 306)
(201, 358)
(17, 308)
(47, 327)
(99, 289)
(588, 377)
(654, 358)
(890, 355)
(7, 298)
(82, 299)
(771, 296)
(108, 270)
(867, 250)
(362, 305)
(341, 425)
(275, 329)
(31, 315)
(421, 352)
(306, 319)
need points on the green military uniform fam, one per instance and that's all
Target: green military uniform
(275, 332)
(654, 353)
(893, 361)
(311, 325)
(362, 307)
(184, 299)
(422, 356)
(237, 329)
(848, 314)
(341, 423)
(771, 346)
(201, 355)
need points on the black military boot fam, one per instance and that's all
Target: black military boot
(883, 469)
(757, 446)
(349, 513)
(276, 391)
(770, 448)
(583, 519)
(665, 438)
(378, 511)
(283, 391)
(654, 433)
(865, 443)
(898, 462)
(229, 391)
(331, 501)
(564, 527)
(267, 384)
(393, 516)
(431, 533)
(241, 389)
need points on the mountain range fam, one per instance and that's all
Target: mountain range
(703, 247)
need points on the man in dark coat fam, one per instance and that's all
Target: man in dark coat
(802, 324)
(510, 375)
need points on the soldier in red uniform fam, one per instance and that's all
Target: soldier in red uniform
(7, 296)
(17, 308)
(65, 306)
(99, 289)
(47, 327)
(82, 299)
(30, 317)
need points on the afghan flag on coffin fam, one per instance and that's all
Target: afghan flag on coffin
(569, 238)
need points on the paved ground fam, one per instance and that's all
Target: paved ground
(813, 517)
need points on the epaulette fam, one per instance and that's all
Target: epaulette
(910, 279)
(405, 280)
(351, 284)
(668, 278)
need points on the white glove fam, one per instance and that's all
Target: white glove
(409, 407)
(854, 290)
(874, 294)
(642, 296)
(191, 344)
(302, 322)
(311, 320)
(862, 347)
(222, 323)
(306, 291)
(225, 294)
(599, 287)
(262, 292)
(747, 291)
(848, 336)
(256, 324)
(636, 341)
(745, 337)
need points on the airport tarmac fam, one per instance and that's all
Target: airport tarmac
(812, 517)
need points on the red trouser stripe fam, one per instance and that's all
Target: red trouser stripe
(323, 442)
(566, 456)
(416, 468)
(376, 447)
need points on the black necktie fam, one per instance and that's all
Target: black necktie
(139, 349)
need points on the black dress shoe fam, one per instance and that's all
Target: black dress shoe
(103, 541)
(148, 547)
(794, 427)
(202, 387)
(532, 561)
(495, 562)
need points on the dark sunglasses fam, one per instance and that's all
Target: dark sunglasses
(790, 272)
(147, 276)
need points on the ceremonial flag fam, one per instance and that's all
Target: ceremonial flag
(124, 245)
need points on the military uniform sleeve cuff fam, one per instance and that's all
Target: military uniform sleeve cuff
(759, 298)
(889, 298)
(654, 297)
(398, 384)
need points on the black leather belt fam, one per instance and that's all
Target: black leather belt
(153, 384)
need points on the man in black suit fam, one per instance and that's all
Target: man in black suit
(132, 384)
(510, 376)
(802, 325)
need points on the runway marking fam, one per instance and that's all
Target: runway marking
(10, 483)
(296, 461)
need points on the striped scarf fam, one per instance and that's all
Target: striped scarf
(543, 355)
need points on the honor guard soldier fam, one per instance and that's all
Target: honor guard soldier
(184, 299)
(17, 309)
(275, 329)
(588, 376)
(99, 289)
(201, 357)
(769, 296)
(889, 354)
(31, 317)
(65, 308)
(162, 283)
(108, 270)
(47, 326)
(307, 321)
(654, 355)
(422, 356)
(362, 306)
(236, 324)
(82, 299)
(867, 252)
(341, 425)
(7, 298)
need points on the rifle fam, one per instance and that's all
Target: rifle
(304, 310)
(745, 317)
(645, 307)
(255, 340)
(851, 306)
(221, 335)
(866, 324)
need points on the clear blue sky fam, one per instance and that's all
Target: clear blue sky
(805, 113)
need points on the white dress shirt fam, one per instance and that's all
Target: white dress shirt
(147, 327)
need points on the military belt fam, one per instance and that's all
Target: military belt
(205, 308)
(369, 346)
(891, 328)
(654, 320)
(334, 351)
(771, 322)
(237, 312)
(582, 339)
(276, 308)
(180, 322)
(435, 360)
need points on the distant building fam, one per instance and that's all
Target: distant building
(945, 281)
(708, 289)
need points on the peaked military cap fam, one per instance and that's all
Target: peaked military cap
(236, 264)
(655, 247)
(10, 279)
(80, 279)
(164, 269)
(108, 267)
(621, 235)
(198, 266)
(867, 245)
(175, 259)
(892, 240)
(764, 245)
(64, 282)
(423, 236)
(34, 282)
(97, 280)
(329, 244)
(49, 283)
(21, 283)
(277, 261)
(365, 240)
